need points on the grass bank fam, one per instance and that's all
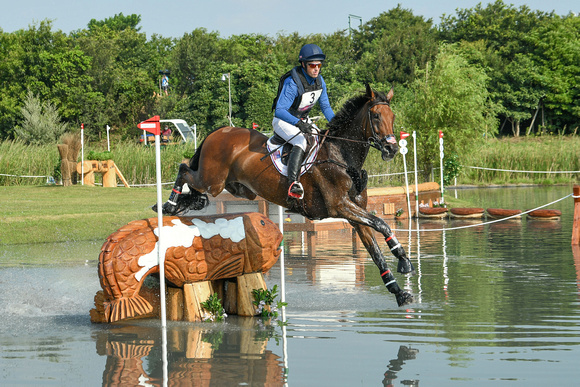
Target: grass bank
(137, 162)
(40, 214)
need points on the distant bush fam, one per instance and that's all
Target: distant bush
(41, 124)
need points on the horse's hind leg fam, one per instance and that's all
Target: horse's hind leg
(366, 235)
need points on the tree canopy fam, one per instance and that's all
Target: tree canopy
(483, 69)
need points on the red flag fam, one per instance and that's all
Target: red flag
(440, 134)
(151, 125)
(404, 135)
(82, 126)
(255, 126)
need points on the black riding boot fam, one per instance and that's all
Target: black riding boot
(294, 164)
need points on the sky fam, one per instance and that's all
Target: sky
(174, 18)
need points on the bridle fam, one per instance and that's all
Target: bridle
(375, 141)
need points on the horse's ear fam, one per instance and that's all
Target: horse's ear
(370, 92)
(390, 95)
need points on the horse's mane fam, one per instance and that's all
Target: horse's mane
(343, 120)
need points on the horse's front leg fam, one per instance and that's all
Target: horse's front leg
(170, 206)
(366, 235)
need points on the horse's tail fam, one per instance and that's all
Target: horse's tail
(194, 161)
(120, 285)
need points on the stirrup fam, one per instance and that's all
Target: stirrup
(296, 190)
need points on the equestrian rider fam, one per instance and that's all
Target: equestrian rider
(298, 92)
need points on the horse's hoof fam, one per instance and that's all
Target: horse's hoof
(405, 266)
(169, 209)
(404, 298)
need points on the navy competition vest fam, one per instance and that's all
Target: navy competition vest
(307, 96)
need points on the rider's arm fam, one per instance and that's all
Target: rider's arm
(325, 103)
(285, 101)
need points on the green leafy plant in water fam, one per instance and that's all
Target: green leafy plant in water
(214, 308)
(264, 300)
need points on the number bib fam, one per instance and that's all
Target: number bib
(308, 100)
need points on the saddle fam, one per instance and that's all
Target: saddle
(280, 150)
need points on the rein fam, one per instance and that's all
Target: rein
(373, 141)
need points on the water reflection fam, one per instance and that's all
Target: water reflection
(495, 302)
(198, 355)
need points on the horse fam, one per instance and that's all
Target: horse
(236, 159)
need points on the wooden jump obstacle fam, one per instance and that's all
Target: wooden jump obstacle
(224, 254)
(107, 168)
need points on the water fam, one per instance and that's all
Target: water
(497, 304)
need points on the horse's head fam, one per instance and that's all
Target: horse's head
(379, 123)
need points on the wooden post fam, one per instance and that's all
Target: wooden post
(247, 283)
(118, 172)
(193, 295)
(175, 304)
(576, 224)
(109, 174)
(230, 300)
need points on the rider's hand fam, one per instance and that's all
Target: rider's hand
(305, 127)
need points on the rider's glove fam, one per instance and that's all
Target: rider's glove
(305, 127)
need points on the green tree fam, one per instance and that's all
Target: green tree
(41, 122)
(394, 45)
(119, 22)
(516, 83)
(449, 96)
(556, 51)
(47, 63)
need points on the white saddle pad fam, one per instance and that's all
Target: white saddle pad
(276, 156)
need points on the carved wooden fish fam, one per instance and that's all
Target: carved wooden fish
(196, 249)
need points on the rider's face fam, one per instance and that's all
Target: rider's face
(313, 68)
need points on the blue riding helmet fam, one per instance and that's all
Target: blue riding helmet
(311, 52)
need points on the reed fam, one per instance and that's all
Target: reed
(20, 159)
(137, 162)
(525, 155)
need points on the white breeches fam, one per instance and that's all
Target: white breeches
(290, 132)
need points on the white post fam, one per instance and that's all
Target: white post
(403, 150)
(441, 162)
(195, 136)
(282, 274)
(160, 250)
(416, 178)
(82, 154)
(283, 297)
(230, 97)
(108, 142)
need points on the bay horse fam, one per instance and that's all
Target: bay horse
(236, 159)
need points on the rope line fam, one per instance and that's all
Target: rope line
(513, 170)
(4, 174)
(484, 223)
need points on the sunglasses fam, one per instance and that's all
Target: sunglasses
(314, 65)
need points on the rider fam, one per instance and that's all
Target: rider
(298, 92)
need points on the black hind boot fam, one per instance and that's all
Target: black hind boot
(294, 164)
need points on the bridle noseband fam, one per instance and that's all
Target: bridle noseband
(375, 141)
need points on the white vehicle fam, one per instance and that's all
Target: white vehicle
(181, 132)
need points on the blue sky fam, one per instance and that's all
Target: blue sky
(173, 18)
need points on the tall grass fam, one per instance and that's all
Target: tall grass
(137, 162)
(20, 159)
(532, 154)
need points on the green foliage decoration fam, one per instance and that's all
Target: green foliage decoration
(214, 308)
(264, 300)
